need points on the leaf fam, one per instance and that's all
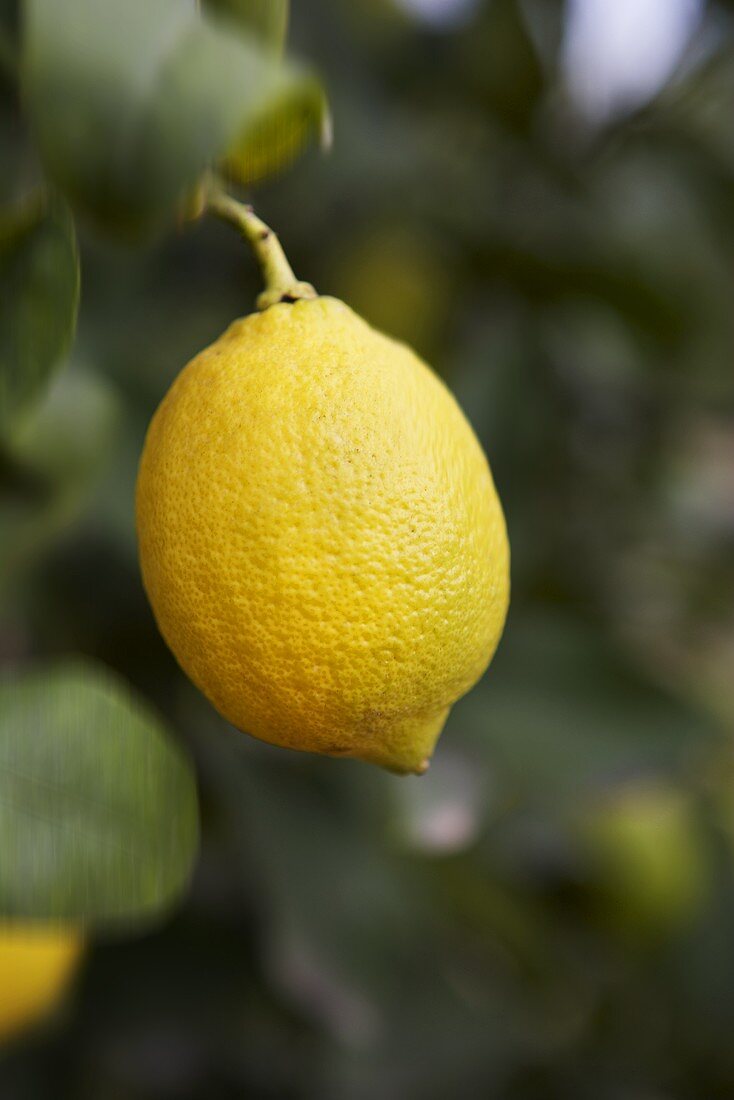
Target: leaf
(39, 296)
(51, 463)
(560, 715)
(9, 19)
(298, 112)
(342, 927)
(351, 934)
(501, 61)
(267, 20)
(132, 102)
(98, 810)
(9, 14)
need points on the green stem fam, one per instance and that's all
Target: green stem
(281, 285)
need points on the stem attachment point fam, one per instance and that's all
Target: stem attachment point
(281, 285)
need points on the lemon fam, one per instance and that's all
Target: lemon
(320, 536)
(36, 964)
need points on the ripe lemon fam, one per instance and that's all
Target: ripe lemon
(36, 964)
(320, 537)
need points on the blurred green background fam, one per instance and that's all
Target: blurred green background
(543, 205)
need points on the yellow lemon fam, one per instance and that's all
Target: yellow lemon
(320, 536)
(36, 963)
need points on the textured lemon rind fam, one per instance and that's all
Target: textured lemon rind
(320, 536)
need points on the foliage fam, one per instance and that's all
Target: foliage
(39, 290)
(130, 105)
(179, 92)
(83, 837)
(350, 934)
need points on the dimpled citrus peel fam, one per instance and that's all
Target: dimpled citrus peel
(320, 536)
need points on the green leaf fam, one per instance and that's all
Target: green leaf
(501, 61)
(267, 20)
(132, 102)
(298, 112)
(51, 463)
(560, 714)
(39, 295)
(9, 18)
(98, 810)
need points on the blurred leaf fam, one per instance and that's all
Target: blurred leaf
(9, 19)
(267, 20)
(7, 55)
(501, 58)
(298, 112)
(131, 102)
(560, 714)
(39, 294)
(546, 22)
(9, 13)
(699, 109)
(339, 925)
(71, 429)
(353, 934)
(49, 466)
(98, 810)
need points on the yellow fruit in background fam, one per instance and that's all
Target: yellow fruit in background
(36, 964)
(320, 537)
(400, 282)
(649, 857)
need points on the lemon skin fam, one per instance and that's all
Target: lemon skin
(320, 537)
(36, 964)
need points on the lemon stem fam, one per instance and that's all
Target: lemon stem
(281, 285)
